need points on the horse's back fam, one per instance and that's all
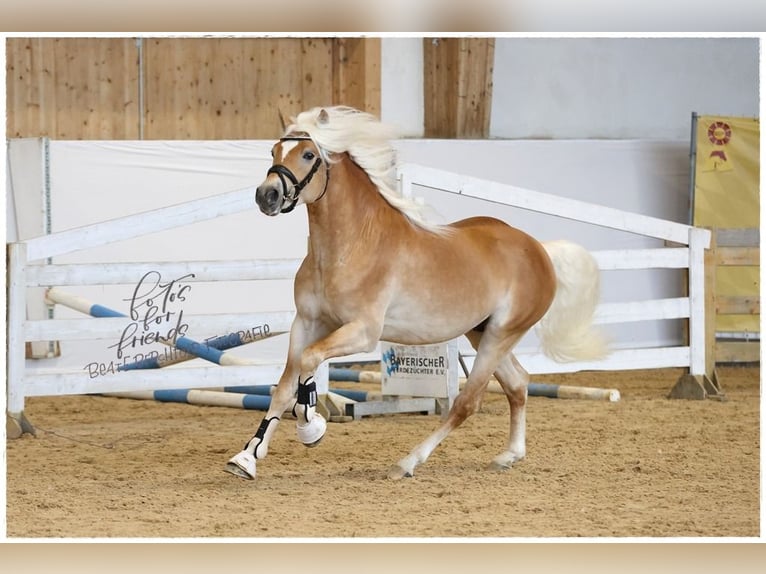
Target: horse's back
(513, 258)
(478, 221)
(489, 226)
(498, 235)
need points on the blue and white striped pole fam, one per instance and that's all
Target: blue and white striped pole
(189, 346)
(201, 397)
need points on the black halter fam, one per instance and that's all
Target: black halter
(291, 193)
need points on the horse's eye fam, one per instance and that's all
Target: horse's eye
(308, 155)
(272, 152)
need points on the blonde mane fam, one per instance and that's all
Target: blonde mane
(341, 129)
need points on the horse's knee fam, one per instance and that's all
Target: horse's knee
(311, 358)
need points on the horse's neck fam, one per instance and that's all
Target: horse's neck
(352, 211)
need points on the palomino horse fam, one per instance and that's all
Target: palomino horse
(375, 270)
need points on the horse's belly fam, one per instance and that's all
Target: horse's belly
(407, 336)
(424, 325)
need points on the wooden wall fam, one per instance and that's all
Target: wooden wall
(72, 88)
(356, 73)
(232, 88)
(226, 88)
(457, 86)
(193, 88)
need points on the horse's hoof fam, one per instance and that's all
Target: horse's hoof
(313, 431)
(505, 461)
(495, 466)
(242, 465)
(396, 472)
(313, 444)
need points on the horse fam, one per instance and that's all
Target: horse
(376, 269)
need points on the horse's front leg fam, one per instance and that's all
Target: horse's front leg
(353, 337)
(301, 333)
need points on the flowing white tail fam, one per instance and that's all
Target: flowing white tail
(566, 331)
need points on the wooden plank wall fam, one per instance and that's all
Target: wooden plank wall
(226, 88)
(193, 88)
(356, 73)
(72, 88)
(457, 86)
(232, 88)
(738, 248)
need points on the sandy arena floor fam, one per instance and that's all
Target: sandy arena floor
(644, 466)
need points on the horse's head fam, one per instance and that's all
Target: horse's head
(293, 176)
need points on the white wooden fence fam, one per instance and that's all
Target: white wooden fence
(24, 382)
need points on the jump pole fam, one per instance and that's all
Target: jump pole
(200, 397)
(569, 392)
(255, 400)
(533, 390)
(190, 347)
(354, 376)
(222, 343)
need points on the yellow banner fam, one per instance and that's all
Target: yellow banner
(727, 196)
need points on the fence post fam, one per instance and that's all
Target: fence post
(16, 423)
(710, 310)
(701, 381)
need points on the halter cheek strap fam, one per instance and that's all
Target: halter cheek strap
(293, 192)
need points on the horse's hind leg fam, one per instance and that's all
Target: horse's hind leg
(491, 350)
(466, 403)
(514, 381)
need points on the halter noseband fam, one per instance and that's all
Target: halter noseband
(292, 193)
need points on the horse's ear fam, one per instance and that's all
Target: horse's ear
(282, 120)
(323, 117)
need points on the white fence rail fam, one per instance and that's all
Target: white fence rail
(23, 382)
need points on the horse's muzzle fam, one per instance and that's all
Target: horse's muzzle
(269, 198)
